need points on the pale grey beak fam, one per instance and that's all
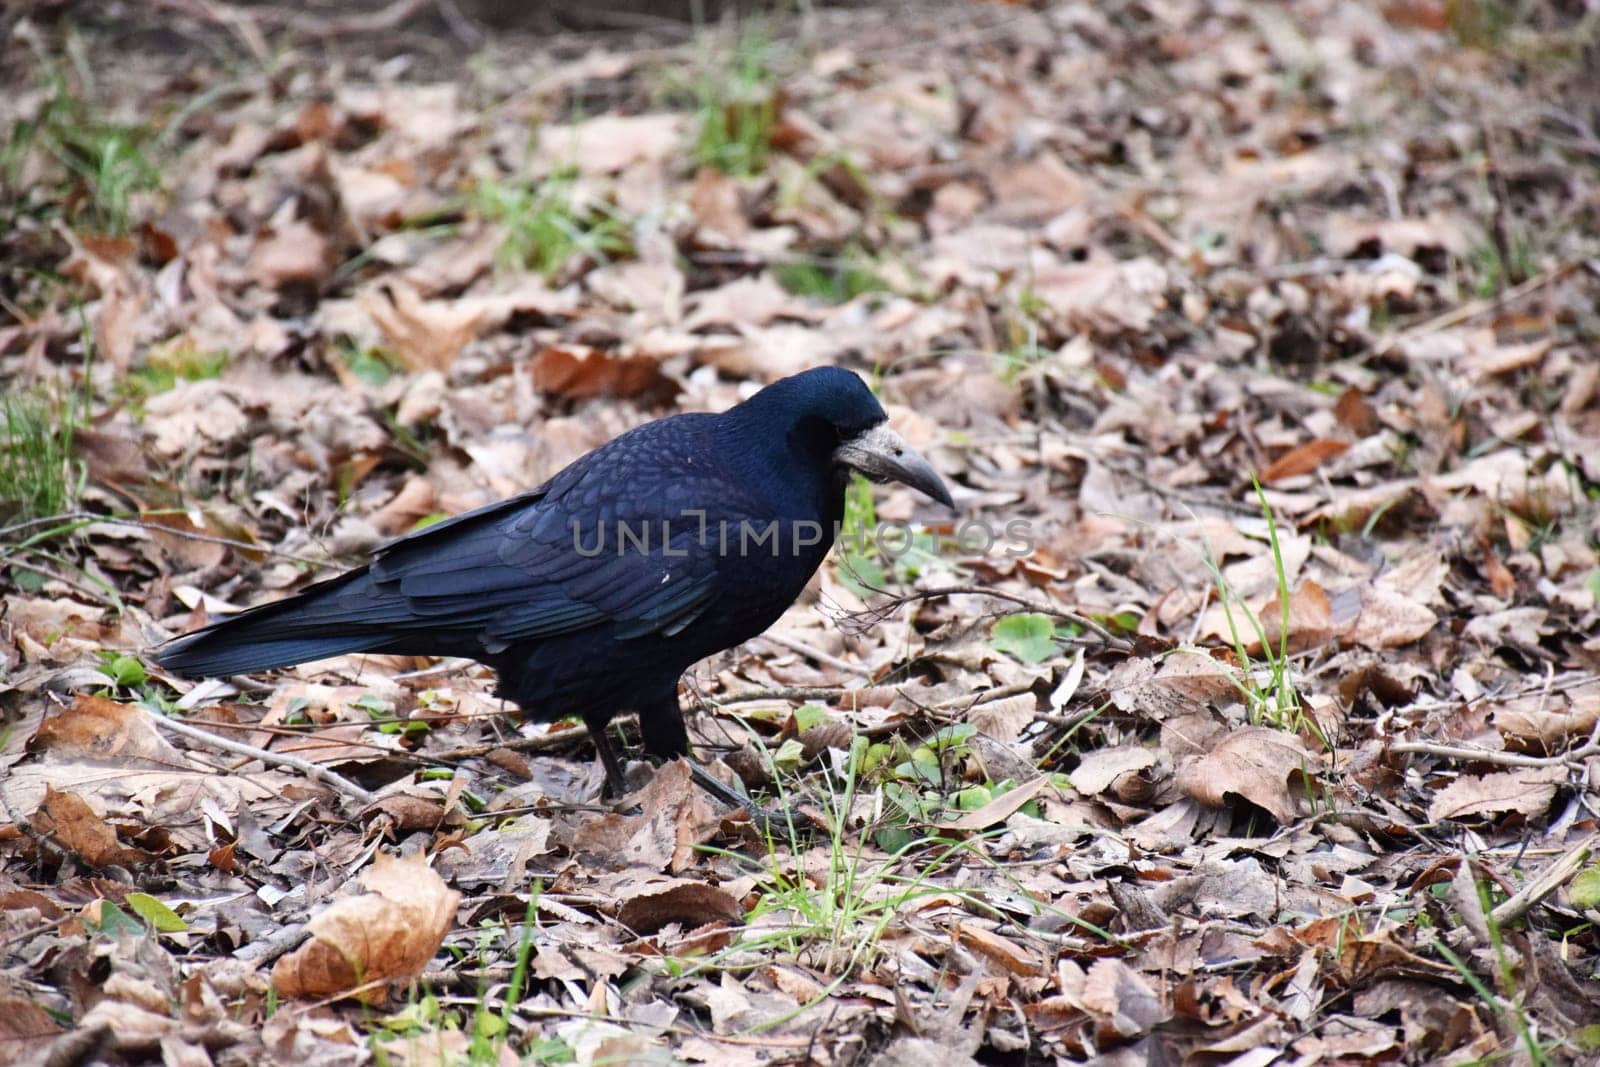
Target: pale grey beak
(883, 455)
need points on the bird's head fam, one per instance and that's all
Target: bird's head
(832, 417)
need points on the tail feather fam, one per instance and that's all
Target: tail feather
(332, 618)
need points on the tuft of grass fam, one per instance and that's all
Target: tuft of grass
(1267, 687)
(835, 923)
(38, 475)
(1493, 272)
(102, 163)
(545, 225)
(836, 280)
(166, 365)
(735, 96)
(1509, 1005)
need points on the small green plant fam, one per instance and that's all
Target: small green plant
(102, 163)
(38, 475)
(870, 557)
(1493, 272)
(372, 364)
(836, 280)
(1029, 637)
(546, 225)
(166, 365)
(1268, 689)
(736, 107)
(1023, 353)
(835, 924)
(1508, 1005)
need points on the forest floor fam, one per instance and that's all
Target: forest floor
(1263, 340)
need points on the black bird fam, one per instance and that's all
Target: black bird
(593, 593)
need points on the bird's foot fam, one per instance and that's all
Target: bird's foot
(780, 824)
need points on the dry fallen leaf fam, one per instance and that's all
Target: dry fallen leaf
(386, 934)
(1253, 762)
(67, 820)
(1527, 790)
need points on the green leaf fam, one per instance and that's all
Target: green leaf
(28, 581)
(953, 736)
(973, 797)
(1586, 888)
(809, 717)
(122, 669)
(156, 915)
(1028, 637)
(860, 574)
(114, 922)
(790, 754)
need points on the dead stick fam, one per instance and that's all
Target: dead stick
(1549, 880)
(321, 774)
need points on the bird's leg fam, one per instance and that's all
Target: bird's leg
(616, 781)
(661, 727)
(779, 825)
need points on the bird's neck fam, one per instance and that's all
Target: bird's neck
(788, 462)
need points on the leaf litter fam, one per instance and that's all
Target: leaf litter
(1274, 738)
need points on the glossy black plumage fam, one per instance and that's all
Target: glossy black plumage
(591, 594)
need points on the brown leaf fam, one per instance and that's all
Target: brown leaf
(1389, 619)
(1100, 768)
(1121, 1000)
(690, 904)
(105, 730)
(1303, 460)
(426, 334)
(1355, 414)
(1004, 719)
(1310, 619)
(1184, 681)
(675, 816)
(295, 252)
(1254, 762)
(582, 373)
(1544, 720)
(388, 933)
(1527, 790)
(70, 822)
(1011, 958)
(608, 143)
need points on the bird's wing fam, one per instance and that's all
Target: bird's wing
(555, 560)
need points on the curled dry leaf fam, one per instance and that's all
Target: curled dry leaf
(1310, 619)
(102, 729)
(67, 819)
(426, 334)
(1545, 719)
(1098, 770)
(675, 816)
(389, 932)
(1121, 1000)
(1187, 680)
(1389, 619)
(690, 904)
(295, 252)
(1254, 762)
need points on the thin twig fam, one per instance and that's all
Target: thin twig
(238, 748)
(817, 654)
(1499, 757)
